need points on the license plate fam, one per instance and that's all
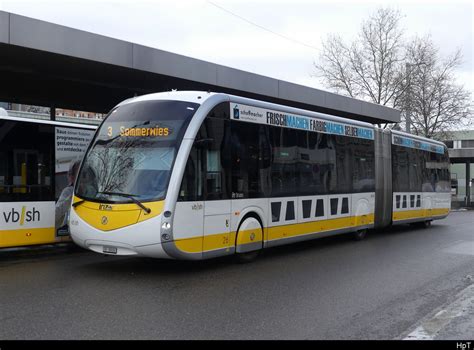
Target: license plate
(110, 250)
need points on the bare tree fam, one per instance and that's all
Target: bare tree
(380, 67)
(370, 68)
(433, 103)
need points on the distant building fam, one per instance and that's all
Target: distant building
(28, 108)
(461, 153)
(460, 139)
(39, 112)
(78, 114)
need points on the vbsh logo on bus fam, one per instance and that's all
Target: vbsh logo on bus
(26, 215)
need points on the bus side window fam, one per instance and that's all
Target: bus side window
(191, 186)
(284, 165)
(363, 165)
(400, 169)
(251, 161)
(217, 131)
(344, 168)
(27, 167)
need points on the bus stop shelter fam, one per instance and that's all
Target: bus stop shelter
(50, 65)
(465, 156)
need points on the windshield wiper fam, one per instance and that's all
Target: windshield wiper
(75, 204)
(131, 196)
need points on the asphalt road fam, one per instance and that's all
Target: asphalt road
(383, 287)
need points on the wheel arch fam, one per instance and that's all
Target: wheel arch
(250, 214)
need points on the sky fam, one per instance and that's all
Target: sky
(276, 38)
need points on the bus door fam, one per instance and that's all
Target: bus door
(189, 217)
(202, 209)
(217, 226)
(203, 204)
(215, 136)
(216, 207)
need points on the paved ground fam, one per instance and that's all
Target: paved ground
(397, 284)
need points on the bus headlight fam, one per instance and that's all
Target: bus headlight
(166, 226)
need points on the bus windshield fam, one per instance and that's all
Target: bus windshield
(133, 152)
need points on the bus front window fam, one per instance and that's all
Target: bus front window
(134, 151)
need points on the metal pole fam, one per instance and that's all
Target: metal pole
(52, 113)
(408, 99)
(468, 183)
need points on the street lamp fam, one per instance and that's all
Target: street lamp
(408, 67)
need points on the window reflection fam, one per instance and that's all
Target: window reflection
(26, 161)
(416, 170)
(233, 159)
(134, 151)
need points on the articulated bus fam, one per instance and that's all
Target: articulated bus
(196, 175)
(35, 156)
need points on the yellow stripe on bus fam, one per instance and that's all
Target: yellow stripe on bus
(250, 236)
(190, 245)
(207, 243)
(13, 238)
(419, 213)
(227, 240)
(294, 230)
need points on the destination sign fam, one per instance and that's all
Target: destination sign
(114, 129)
(143, 132)
(269, 117)
(417, 144)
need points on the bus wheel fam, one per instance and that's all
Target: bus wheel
(422, 224)
(360, 234)
(425, 224)
(249, 240)
(244, 258)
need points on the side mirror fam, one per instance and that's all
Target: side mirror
(63, 231)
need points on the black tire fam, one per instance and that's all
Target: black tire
(423, 224)
(245, 258)
(360, 234)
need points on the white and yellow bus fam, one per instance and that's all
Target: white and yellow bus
(35, 156)
(196, 175)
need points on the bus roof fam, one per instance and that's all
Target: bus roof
(49, 122)
(416, 137)
(200, 97)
